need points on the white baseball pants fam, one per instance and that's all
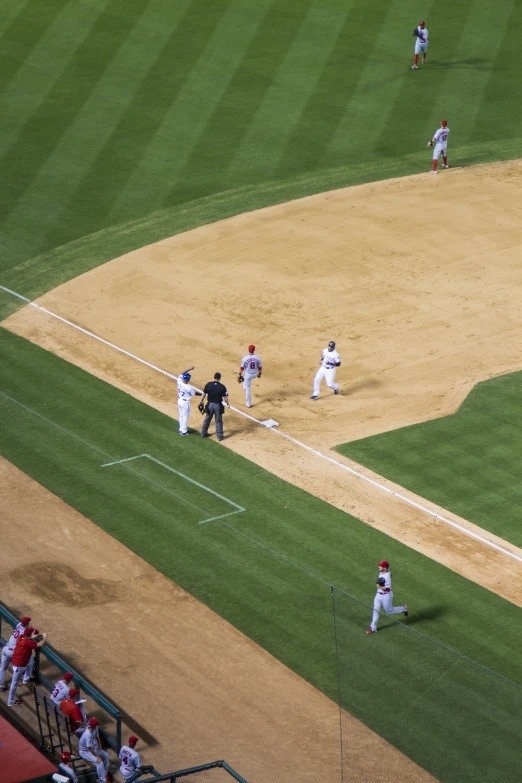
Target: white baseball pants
(102, 767)
(184, 413)
(420, 47)
(247, 383)
(18, 673)
(29, 670)
(4, 663)
(329, 374)
(385, 601)
(439, 149)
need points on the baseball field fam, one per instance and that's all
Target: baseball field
(179, 180)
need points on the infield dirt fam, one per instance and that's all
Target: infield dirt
(418, 280)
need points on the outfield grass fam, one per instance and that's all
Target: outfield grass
(267, 569)
(111, 111)
(469, 463)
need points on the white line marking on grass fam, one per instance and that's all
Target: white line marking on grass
(136, 472)
(238, 508)
(319, 454)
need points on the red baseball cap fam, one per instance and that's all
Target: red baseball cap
(384, 564)
(73, 692)
(421, 24)
(93, 722)
(133, 740)
(28, 631)
(25, 620)
(66, 756)
(67, 677)
(251, 348)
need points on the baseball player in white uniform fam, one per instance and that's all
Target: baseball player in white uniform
(66, 768)
(440, 144)
(251, 367)
(8, 650)
(330, 361)
(185, 393)
(90, 749)
(130, 759)
(384, 597)
(61, 689)
(421, 45)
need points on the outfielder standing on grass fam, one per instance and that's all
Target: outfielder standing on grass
(421, 45)
(384, 597)
(440, 140)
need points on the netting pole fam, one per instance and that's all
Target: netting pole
(338, 683)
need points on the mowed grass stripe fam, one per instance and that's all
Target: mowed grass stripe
(113, 91)
(234, 115)
(72, 90)
(22, 25)
(464, 72)
(20, 132)
(337, 82)
(378, 78)
(184, 122)
(283, 104)
(498, 114)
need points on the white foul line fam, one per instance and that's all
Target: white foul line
(354, 472)
(238, 508)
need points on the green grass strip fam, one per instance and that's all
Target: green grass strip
(469, 463)
(267, 570)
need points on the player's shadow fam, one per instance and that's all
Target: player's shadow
(425, 614)
(367, 383)
(477, 63)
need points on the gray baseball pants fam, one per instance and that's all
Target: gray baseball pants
(214, 409)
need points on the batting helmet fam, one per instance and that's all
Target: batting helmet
(444, 123)
(186, 377)
(331, 345)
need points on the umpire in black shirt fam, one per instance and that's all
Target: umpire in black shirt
(216, 393)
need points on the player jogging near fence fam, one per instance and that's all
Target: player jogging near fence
(384, 597)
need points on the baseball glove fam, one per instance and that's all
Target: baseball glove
(201, 408)
(240, 378)
(381, 581)
(430, 143)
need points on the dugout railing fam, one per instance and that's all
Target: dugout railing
(170, 777)
(7, 618)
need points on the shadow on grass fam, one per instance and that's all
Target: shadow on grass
(424, 615)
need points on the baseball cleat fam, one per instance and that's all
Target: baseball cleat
(405, 610)
(248, 405)
(15, 703)
(314, 396)
(433, 172)
(336, 391)
(414, 67)
(183, 433)
(371, 630)
(445, 166)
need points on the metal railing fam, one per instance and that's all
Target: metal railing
(81, 682)
(182, 773)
